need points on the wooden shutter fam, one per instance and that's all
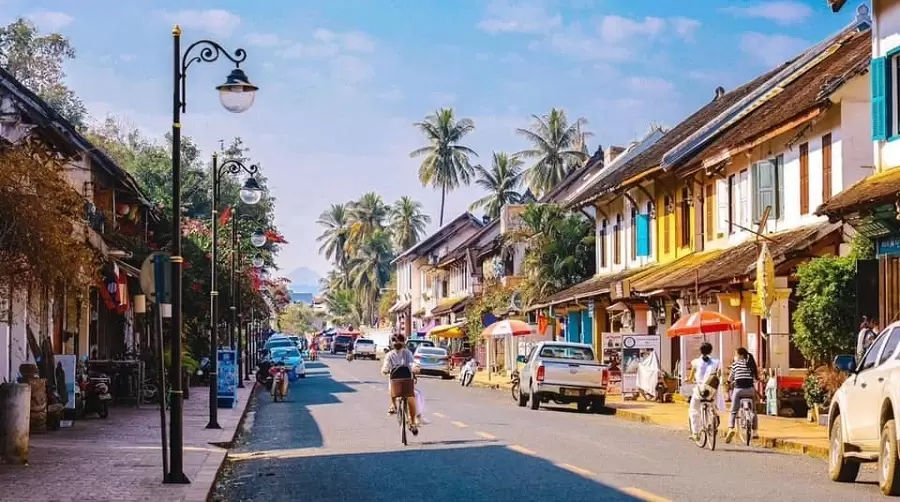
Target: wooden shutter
(678, 218)
(665, 222)
(826, 167)
(603, 245)
(880, 81)
(643, 235)
(710, 212)
(804, 178)
(779, 187)
(731, 204)
(721, 206)
(764, 178)
(634, 233)
(617, 243)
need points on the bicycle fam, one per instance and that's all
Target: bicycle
(402, 388)
(746, 416)
(709, 425)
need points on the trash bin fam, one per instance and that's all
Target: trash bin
(15, 411)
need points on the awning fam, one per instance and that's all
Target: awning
(595, 286)
(448, 305)
(426, 328)
(876, 190)
(400, 305)
(454, 330)
(129, 270)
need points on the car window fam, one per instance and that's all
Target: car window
(560, 352)
(364, 342)
(872, 355)
(890, 345)
(428, 351)
(277, 354)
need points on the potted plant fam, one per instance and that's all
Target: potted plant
(814, 393)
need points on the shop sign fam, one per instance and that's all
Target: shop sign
(227, 381)
(634, 349)
(590, 309)
(889, 246)
(620, 289)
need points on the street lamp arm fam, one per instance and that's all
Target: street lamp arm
(209, 52)
(234, 166)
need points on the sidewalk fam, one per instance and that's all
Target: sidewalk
(120, 458)
(791, 435)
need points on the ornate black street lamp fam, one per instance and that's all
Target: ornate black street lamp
(250, 193)
(236, 95)
(257, 239)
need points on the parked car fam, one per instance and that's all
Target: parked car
(279, 341)
(414, 343)
(432, 361)
(364, 348)
(564, 373)
(292, 359)
(862, 415)
(341, 343)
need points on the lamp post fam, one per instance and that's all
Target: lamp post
(258, 240)
(251, 193)
(236, 95)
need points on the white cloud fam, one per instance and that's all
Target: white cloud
(771, 50)
(48, 20)
(310, 51)
(393, 94)
(328, 44)
(264, 40)
(651, 85)
(781, 12)
(351, 70)
(443, 98)
(502, 16)
(575, 42)
(685, 27)
(615, 28)
(218, 22)
(357, 41)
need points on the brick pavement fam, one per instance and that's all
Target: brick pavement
(120, 458)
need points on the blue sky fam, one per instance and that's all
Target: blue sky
(343, 81)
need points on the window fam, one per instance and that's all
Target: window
(743, 216)
(891, 345)
(709, 205)
(768, 183)
(603, 244)
(685, 217)
(872, 355)
(617, 240)
(883, 75)
(804, 178)
(826, 167)
(732, 211)
(722, 205)
(665, 222)
(634, 233)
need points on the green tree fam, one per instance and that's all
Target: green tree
(501, 182)
(298, 319)
(446, 163)
(344, 307)
(557, 146)
(370, 270)
(407, 222)
(825, 318)
(367, 217)
(336, 220)
(37, 62)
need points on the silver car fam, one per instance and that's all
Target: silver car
(432, 361)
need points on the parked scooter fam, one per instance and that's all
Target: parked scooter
(514, 380)
(279, 382)
(467, 373)
(95, 394)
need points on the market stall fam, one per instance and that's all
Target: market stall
(501, 339)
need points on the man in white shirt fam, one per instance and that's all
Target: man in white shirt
(701, 369)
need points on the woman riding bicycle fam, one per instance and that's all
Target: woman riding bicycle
(742, 377)
(400, 357)
(703, 372)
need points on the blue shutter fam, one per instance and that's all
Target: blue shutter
(587, 327)
(573, 327)
(643, 234)
(880, 115)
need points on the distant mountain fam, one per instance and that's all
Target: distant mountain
(304, 280)
(306, 298)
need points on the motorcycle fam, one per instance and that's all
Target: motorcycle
(514, 380)
(279, 383)
(467, 374)
(95, 394)
(349, 356)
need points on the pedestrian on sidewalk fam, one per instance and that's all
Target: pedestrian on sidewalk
(742, 377)
(865, 337)
(704, 375)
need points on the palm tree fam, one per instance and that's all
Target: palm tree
(408, 222)
(502, 182)
(367, 216)
(556, 148)
(446, 164)
(337, 231)
(371, 269)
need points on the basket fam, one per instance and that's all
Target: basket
(402, 387)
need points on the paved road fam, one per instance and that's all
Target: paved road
(332, 440)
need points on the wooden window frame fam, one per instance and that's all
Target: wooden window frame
(667, 202)
(685, 229)
(709, 206)
(804, 178)
(617, 240)
(634, 213)
(603, 229)
(826, 167)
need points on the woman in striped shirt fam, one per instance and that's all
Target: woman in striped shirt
(742, 376)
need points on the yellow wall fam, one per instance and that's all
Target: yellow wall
(671, 220)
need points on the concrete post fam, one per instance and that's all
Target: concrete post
(15, 407)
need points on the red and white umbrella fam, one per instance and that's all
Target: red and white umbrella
(703, 322)
(509, 327)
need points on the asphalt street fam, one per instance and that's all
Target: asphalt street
(333, 440)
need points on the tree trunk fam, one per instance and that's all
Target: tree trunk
(443, 194)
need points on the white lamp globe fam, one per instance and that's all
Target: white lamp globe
(258, 239)
(237, 93)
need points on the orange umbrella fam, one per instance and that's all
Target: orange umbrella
(506, 328)
(703, 322)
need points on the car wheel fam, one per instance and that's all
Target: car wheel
(535, 399)
(888, 474)
(582, 405)
(840, 468)
(446, 376)
(598, 403)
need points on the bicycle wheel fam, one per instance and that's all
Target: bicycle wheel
(701, 433)
(712, 429)
(401, 410)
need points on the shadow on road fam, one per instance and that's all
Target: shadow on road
(428, 474)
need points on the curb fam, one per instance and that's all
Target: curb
(771, 443)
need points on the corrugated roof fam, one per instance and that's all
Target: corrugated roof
(878, 189)
(428, 243)
(597, 285)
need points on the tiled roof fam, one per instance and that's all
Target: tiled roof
(433, 240)
(878, 189)
(597, 285)
(482, 239)
(448, 305)
(734, 263)
(808, 92)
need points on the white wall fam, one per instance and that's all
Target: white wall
(885, 37)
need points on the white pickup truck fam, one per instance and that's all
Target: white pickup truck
(864, 411)
(564, 373)
(364, 348)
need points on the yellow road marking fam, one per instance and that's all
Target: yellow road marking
(521, 449)
(644, 495)
(459, 424)
(439, 415)
(576, 469)
(485, 435)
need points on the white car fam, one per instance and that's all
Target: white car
(862, 416)
(364, 348)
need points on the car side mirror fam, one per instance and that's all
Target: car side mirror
(520, 359)
(845, 363)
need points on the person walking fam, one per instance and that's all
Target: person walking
(865, 337)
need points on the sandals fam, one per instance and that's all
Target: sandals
(414, 430)
(392, 411)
